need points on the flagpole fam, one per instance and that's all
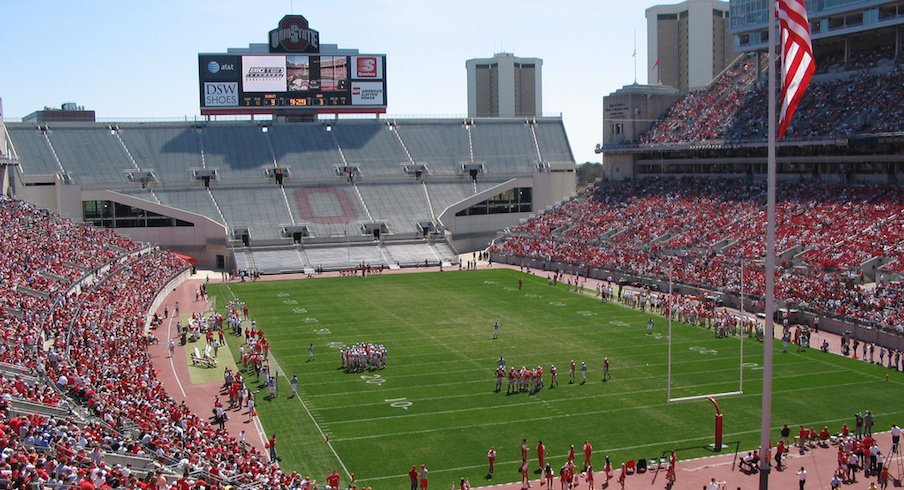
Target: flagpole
(768, 338)
(634, 55)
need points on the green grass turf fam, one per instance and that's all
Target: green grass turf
(199, 374)
(437, 329)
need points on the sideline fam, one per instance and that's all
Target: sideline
(259, 426)
(169, 337)
(257, 423)
(661, 444)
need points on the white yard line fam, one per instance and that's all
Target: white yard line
(303, 405)
(666, 444)
(602, 395)
(548, 417)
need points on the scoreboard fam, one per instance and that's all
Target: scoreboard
(295, 76)
(267, 83)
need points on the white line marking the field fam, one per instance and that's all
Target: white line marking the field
(169, 333)
(615, 449)
(490, 379)
(563, 400)
(548, 417)
(303, 405)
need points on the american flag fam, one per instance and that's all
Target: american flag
(798, 64)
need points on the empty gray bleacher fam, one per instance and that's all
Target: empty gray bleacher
(441, 145)
(410, 254)
(402, 205)
(193, 200)
(307, 148)
(277, 260)
(238, 150)
(25, 407)
(324, 212)
(336, 257)
(372, 146)
(506, 146)
(90, 153)
(445, 195)
(35, 156)
(261, 209)
(483, 185)
(333, 257)
(444, 250)
(142, 194)
(553, 141)
(170, 150)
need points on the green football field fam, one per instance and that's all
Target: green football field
(435, 402)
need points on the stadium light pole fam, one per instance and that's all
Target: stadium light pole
(770, 260)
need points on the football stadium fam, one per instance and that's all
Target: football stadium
(298, 290)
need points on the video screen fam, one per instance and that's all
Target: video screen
(316, 73)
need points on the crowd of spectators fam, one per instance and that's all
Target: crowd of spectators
(830, 60)
(733, 107)
(706, 113)
(85, 346)
(858, 104)
(701, 230)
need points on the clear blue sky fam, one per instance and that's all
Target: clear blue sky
(130, 59)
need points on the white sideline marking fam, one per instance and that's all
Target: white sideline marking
(635, 446)
(260, 428)
(169, 332)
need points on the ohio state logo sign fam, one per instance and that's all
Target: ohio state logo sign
(294, 36)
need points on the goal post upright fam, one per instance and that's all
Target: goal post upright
(669, 308)
(743, 321)
(708, 396)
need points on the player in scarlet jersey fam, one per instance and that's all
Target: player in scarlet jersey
(500, 375)
(333, 479)
(523, 450)
(491, 457)
(588, 450)
(541, 454)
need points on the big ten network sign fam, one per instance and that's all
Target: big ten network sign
(292, 73)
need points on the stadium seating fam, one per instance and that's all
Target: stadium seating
(134, 420)
(700, 230)
(316, 196)
(439, 146)
(705, 114)
(733, 108)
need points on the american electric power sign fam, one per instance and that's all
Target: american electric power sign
(292, 75)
